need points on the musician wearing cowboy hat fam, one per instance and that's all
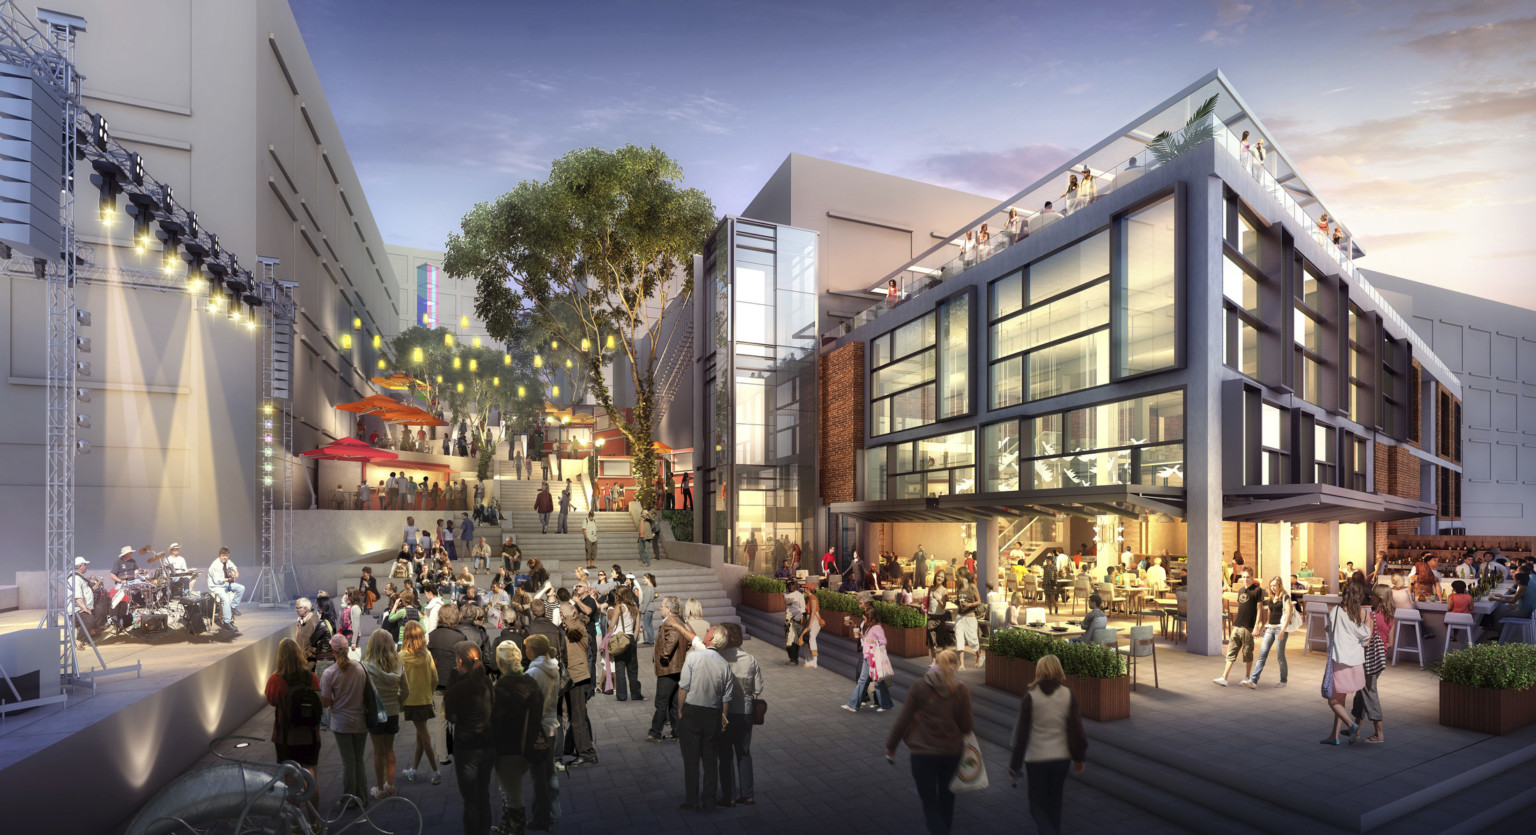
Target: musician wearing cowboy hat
(123, 571)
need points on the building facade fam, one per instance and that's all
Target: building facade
(1178, 356)
(228, 110)
(429, 297)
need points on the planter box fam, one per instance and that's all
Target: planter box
(763, 601)
(1012, 675)
(838, 623)
(1486, 711)
(1102, 699)
(906, 642)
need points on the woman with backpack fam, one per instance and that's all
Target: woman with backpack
(401, 611)
(295, 693)
(934, 721)
(420, 684)
(1048, 739)
(382, 665)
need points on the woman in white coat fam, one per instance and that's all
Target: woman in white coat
(1348, 633)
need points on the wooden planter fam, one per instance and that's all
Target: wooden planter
(838, 623)
(762, 601)
(906, 642)
(1486, 711)
(1010, 674)
(1102, 699)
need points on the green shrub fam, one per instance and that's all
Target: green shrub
(1494, 666)
(836, 601)
(682, 524)
(761, 584)
(1081, 660)
(899, 616)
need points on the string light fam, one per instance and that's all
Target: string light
(457, 364)
(476, 342)
(448, 339)
(474, 364)
(416, 355)
(378, 341)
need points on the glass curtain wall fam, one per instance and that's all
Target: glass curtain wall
(761, 390)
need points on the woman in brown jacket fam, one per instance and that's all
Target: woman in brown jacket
(934, 720)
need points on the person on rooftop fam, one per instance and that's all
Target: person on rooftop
(1069, 197)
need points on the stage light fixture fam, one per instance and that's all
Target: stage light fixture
(108, 179)
(101, 134)
(83, 395)
(142, 207)
(83, 447)
(266, 408)
(171, 234)
(83, 344)
(234, 311)
(83, 421)
(266, 481)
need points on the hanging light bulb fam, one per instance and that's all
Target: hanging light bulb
(611, 343)
(522, 391)
(586, 344)
(538, 361)
(417, 355)
(567, 363)
(476, 342)
(357, 323)
(496, 381)
(554, 345)
(439, 379)
(474, 364)
(426, 318)
(378, 341)
(448, 339)
(554, 391)
(463, 321)
(461, 388)
(381, 363)
(506, 359)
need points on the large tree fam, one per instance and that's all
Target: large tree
(593, 255)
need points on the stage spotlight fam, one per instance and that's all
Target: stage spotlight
(171, 234)
(142, 208)
(108, 179)
(100, 133)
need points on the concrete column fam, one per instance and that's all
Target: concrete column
(1285, 554)
(1325, 550)
(986, 552)
(1201, 229)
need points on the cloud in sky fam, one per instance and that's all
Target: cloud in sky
(998, 173)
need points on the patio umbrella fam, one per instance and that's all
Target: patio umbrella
(397, 381)
(371, 403)
(350, 449)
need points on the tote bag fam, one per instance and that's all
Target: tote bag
(972, 773)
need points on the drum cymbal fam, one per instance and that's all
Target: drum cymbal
(157, 557)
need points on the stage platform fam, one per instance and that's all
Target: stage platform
(116, 747)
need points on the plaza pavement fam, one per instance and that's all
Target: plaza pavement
(818, 768)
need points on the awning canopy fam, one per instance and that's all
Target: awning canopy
(1129, 501)
(350, 449)
(1319, 503)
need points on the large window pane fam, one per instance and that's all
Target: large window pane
(954, 348)
(1008, 383)
(1046, 430)
(754, 323)
(1078, 264)
(912, 409)
(1242, 289)
(1081, 311)
(904, 374)
(914, 336)
(1069, 366)
(874, 473)
(1140, 420)
(1000, 457)
(1007, 295)
(951, 450)
(1147, 320)
(1249, 242)
(1163, 465)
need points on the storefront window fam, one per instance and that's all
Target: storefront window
(1134, 441)
(1000, 457)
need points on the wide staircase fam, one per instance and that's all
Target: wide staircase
(616, 543)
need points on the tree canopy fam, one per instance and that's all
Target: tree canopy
(591, 258)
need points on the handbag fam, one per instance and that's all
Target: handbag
(759, 711)
(1375, 654)
(373, 706)
(1327, 688)
(971, 775)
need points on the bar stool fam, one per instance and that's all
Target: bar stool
(1411, 619)
(1518, 630)
(1317, 616)
(1458, 620)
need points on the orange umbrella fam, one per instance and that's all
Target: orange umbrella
(397, 381)
(371, 403)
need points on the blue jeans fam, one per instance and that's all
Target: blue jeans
(231, 595)
(474, 768)
(645, 556)
(882, 690)
(1271, 634)
(647, 628)
(932, 773)
(543, 523)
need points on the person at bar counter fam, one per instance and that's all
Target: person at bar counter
(1426, 578)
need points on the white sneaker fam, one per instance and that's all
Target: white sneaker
(1248, 683)
(850, 709)
(1279, 684)
(437, 777)
(410, 774)
(1221, 681)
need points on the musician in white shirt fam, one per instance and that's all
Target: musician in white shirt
(82, 599)
(175, 563)
(221, 581)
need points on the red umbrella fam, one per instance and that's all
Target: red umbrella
(349, 449)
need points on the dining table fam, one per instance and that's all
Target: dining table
(1065, 630)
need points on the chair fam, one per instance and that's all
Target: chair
(1035, 614)
(1181, 614)
(997, 615)
(1142, 645)
(1031, 587)
(1081, 588)
(1108, 636)
(1107, 592)
(1464, 622)
(1518, 630)
(1317, 616)
(1413, 620)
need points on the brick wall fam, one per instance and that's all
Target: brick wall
(1397, 474)
(1416, 405)
(841, 422)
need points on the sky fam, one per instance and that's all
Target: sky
(1413, 120)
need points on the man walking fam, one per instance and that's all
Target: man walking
(589, 538)
(706, 688)
(1249, 597)
(575, 615)
(647, 533)
(667, 660)
(544, 504)
(565, 508)
(392, 491)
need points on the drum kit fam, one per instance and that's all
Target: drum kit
(161, 599)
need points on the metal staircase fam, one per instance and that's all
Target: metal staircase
(675, 364)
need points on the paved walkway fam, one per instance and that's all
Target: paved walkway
(817, 766)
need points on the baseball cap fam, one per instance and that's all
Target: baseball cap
(82, 561)
(173, 546)
(127, 549)
(339, 643)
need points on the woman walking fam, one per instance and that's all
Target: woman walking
(735, 747)
(1281, 619)
(1048, 736)
(874, 664)
(624, 619)
(382, 664)
(341, 690)
(1367, 701)
(933, 722)
(420, 684)
(813, 623)
(967, 626)
(1348, 634)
